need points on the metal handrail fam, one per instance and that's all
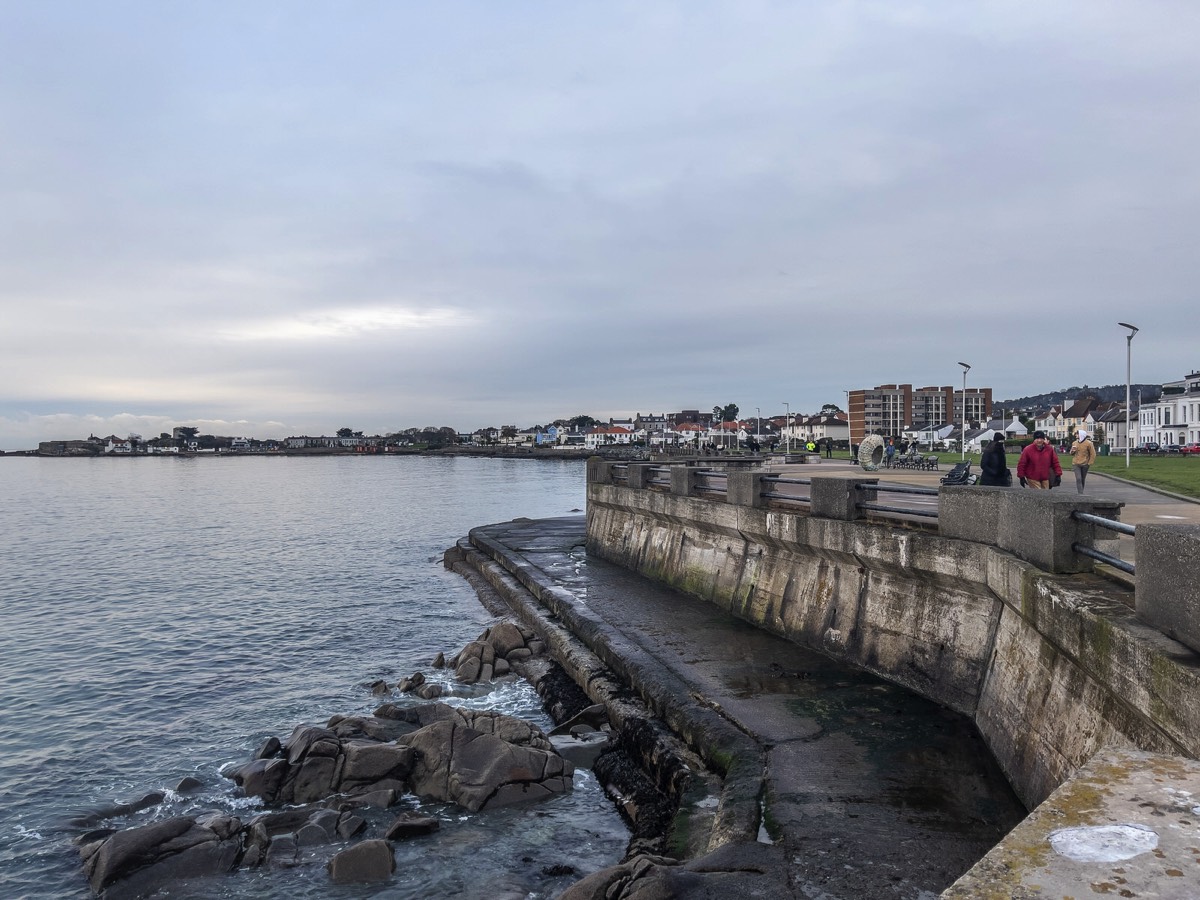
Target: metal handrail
(1115, 562)
(896, 489)
(778, 495)
(1110, 524)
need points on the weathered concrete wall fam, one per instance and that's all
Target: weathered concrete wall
(1052, 667)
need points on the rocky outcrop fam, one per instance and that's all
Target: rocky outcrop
(495, 652)
(143, 858)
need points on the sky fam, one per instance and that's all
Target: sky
(282, 218)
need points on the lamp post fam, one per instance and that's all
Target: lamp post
(787, 424)
(758, 424)
(849, 434)
(1128, 372)
(966, 369)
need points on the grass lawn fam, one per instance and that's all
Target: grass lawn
(1177, 473)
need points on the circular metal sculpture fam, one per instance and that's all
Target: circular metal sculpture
(870, 453)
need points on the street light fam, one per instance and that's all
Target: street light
(758, 424)
(787, 424)
(966, 369)
(1128, 371)
(849, 436)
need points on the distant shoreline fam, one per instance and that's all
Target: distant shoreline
(487, 452)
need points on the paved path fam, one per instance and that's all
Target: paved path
(870, 790)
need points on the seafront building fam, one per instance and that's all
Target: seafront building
(1173, 419)
(890, 409)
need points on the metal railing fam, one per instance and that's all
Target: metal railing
(1099, 555)
(883, 487)
(779, 495)
(708, 488)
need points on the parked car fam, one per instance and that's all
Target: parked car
(1190, 448)
(1150, 447)
(1169, 448)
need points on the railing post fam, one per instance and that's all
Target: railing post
(683, 481)
(838, 498)
(745, 488)
(970, 512)
(1036, 526)
(638, 475)
(1167, 595)
(599, 470)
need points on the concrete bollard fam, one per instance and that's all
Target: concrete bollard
(1036, 526)
(599, 470)
(970, 513)
(683, 481)
(638, 475)
(745, 489)
(838, 498)
(1167, 595)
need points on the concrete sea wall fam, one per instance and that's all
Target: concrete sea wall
(1048, 657)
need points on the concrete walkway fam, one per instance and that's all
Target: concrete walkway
(867, 790)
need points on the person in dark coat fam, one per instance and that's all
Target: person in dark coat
(993, 465)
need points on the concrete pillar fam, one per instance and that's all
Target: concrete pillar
(745, 488)
(1036, 526)
(683, 481)
(1167, 595)
(599, 470)
(838, 498)
(970, 512)
(638, 475)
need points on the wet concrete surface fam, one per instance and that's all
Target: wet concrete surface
(871, 790)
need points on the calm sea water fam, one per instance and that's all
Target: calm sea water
(162, 617)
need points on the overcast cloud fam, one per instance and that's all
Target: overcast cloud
(285, 218)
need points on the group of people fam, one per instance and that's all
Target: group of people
(1038, 466)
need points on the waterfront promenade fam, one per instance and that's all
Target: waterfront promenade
(846, 817)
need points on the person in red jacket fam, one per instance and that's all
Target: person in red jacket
(1038, 463)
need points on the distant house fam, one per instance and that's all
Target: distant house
(602, 436)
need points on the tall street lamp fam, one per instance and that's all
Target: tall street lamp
(758, 424)
(966, 369)
(849, 436)
(787, 424)
(1128, 371)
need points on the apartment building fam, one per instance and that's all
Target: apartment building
(889, 409)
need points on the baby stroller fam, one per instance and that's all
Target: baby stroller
(960, 474)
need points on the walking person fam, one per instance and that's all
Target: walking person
(889, 454)
(993, 464)
(1038, 464)
(1083, 454)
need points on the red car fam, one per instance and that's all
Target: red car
(1190, 448)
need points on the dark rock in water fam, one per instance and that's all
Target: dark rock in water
(376, 799)
(138, 860)
(505, 638)
(412, 825)
(188, 784)
(283, 853)
(270, 749)
(411, 683)
(117, 809)
(379, 688)
(368, 862)
(735, 870)
(366, 763)
(474, 770)
(583, 749)
(349, 825)
(593, 717)
(439, 661)
(558, 871)
(429, 691)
